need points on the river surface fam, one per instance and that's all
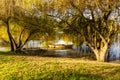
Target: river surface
(62, 53)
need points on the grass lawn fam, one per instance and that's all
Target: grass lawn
(19, 67)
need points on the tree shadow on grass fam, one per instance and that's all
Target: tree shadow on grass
(43, 53)
(25, 52)
(32, 52)
(47, 53)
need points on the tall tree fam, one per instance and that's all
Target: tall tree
(7, 7)
(97, 23)
(16, 12)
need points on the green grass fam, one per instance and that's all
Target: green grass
(18, 67)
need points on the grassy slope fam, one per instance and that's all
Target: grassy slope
(15, 67)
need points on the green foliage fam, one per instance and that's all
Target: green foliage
(14, 67)
(3, 33)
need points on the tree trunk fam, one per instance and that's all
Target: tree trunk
(18, 49)
(9, 36)
(101, 54)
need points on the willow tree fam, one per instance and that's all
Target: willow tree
(8, 8)
(5, 15)
(20, 16)
(97, 22)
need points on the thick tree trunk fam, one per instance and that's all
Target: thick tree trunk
(101, 54)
